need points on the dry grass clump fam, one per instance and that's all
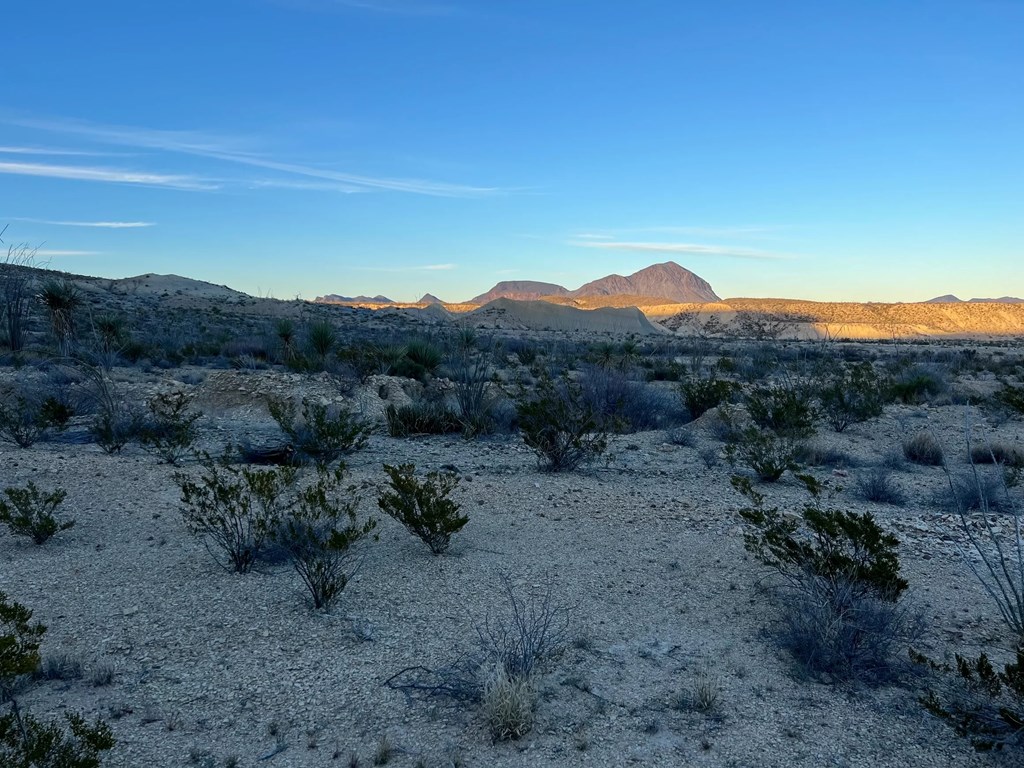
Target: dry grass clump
(998, 453)
(508, 702)
(923, 448)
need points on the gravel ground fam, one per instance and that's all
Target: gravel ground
(645, 549)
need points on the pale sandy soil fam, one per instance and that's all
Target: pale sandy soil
(647, 547)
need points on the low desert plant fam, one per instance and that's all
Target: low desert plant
(320, 433)
(627, 405)
(877, 486)
(839, 547)
(702, 393)
(843, 610)
(29, 414)
(170, 429)
(508, 704)
(424, 417)
(769, 455)
(29, 512)
(851, 395)
(318, 532)
(423, 506)
(785, 409)
(560, 426)
(923, 448)
(61, 299)
(1010, 456)
(918, 384)
(117, 421)
(1011, 397)
(26, 742)
(235, 510)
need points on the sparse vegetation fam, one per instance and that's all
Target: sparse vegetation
(423, 506)
(702, 393)
(423, 417)
(851, 395)
(923, 448)
(29, 512)
(560, 426)
(170, 430)
(320, 433)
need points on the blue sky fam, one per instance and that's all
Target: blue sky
(861, 150)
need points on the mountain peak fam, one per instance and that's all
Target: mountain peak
(666, 280)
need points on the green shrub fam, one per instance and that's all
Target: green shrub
(843, 612)
(560, 426)
(827, 543)
(918, 384)
(317, 534)
(29, 512)
(236, 510)
(422, 359)
(785, 410)
(321, 433)
(321, 339)
(701, 394)
(19, 644)
(423, 417)
(170, 430)
(763, 451)
(26, 742)
(1011, 397)
(851, 395)
(923, 448)
(28, 415)
(423, 507)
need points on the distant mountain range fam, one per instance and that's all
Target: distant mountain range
(949, 298)
(667, 281)
(333, 298)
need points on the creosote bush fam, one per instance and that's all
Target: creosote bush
(235, 510)
(26, 742)
(28, 415)
(785, 409)
(560, 426)
(1011, 397)
(423, 506)
(320, 433)
(170, 429)
(851, 395)
(769, 455)
(29, 512)
(702, 393)
(843, 610)
(318, 532)
(923, 448)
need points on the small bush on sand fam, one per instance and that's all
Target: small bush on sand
(1011, 397)
(170, 429)
(877, 485)
(1011, 456)
(318, 533)
(843, 610)
(627, 405)
(851, 395)
(320, 433)
(26, 742)
(787, 410)
(702, 393)
(560, 426)
(423, 506)
(923, 448)
(769, 455)
(234, 510)
(116, 421)
(28, 414)
(918, 384)
(29, 512)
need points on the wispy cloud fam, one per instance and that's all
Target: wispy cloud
(51, 151)
(49, 253)
(692, 249)
(96, 224)
(111, 175)
(235, 151)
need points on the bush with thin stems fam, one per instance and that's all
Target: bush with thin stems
(851, 395)
(560, 426)
(170, 429)
(29, 512)
(423, 506)
(29, 414)
(16, 269)
(318, 432)
(235, 511)
(318, 532)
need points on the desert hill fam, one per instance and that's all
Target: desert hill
(333, 298)
(544, 316)
(664, 281)
(520, 290)
(949, 298)
(429, 298)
